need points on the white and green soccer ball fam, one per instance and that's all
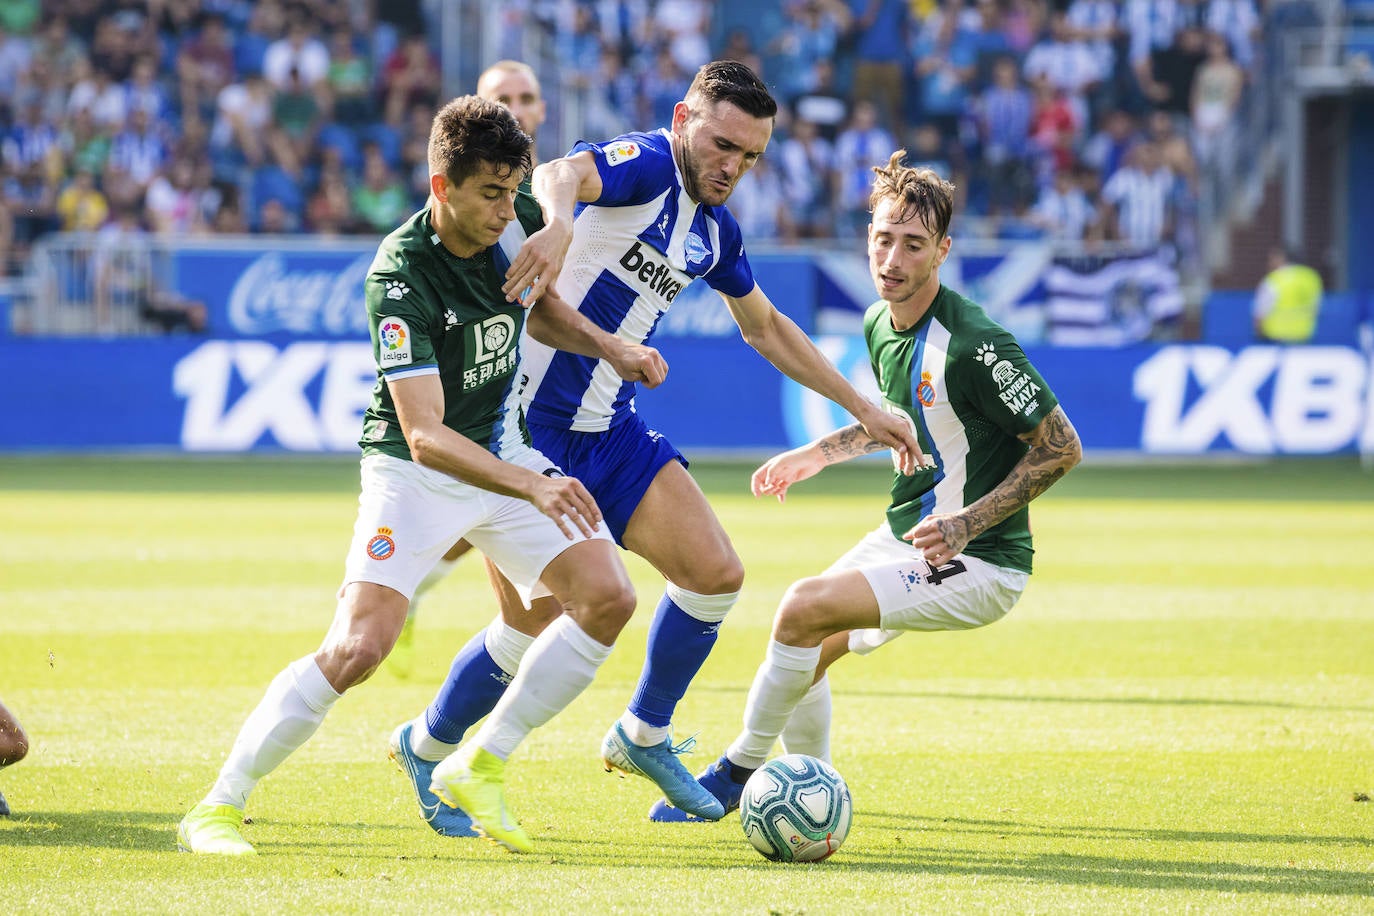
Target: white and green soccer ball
(796, 808)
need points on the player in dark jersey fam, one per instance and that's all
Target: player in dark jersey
(446, 456)
(954, 551)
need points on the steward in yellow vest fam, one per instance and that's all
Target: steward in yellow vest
(1287, 301)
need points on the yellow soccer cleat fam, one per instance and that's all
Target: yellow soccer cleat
(213, 830)
(473, 779)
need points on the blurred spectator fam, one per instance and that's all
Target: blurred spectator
(1173, 70)
(878, 31)
(929, 149)
(266, 24)
(415, 153)
(120, 38)
(32, 204)
(1150, 28)
(946, 58)
(1004, 120)
(615, 108)
(29, 139)
(806, 164)
(1096, 24)
(1106, 149)
(173, 205)
(860, 146)
(381, 200)
(1054, 131)
(1238, 21)
(685, 24)
(1136, 200)
(95, 92)
(295, 124)
(143, 91)
(20, 16)
(807, 41)
(15, 55)
(1065, 63)
(1215, 109)
(205, 66)
(739, 46)
(822, 104)
(1287, 300)
(759, 204)
(59, 49)
(664, 86)
(1064, 211)
(410, 77)
(579, 49)
(330, 208)
(6, 235)
(275, 217)
(349, 81)
(299, 55)
(81, 206)
(139, 150)
(243, 113)
(84, 145)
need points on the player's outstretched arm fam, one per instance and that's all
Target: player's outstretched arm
(1054, 450)
(786, 346)
(420, 407)
(558, 186)
(555, 323)
(781, 471)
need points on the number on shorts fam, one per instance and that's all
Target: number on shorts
(939, 574)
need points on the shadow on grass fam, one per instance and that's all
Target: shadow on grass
(925, 848)
(1111, 701)
(133, 830)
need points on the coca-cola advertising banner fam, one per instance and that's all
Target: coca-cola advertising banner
(316, 293)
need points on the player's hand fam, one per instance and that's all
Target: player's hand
(567, 502)
(537, 265)
(940, 537)
(781, 471)
(896, 434)
(638, 363)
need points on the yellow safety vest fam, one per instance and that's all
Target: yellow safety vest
(1297, 296)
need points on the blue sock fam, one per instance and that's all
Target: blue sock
(474, 683)
(678, 646)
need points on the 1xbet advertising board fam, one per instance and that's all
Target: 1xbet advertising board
(227, 395)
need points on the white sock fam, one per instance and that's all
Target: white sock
(431, 579)
(781, 682)
(506, 645)
(293, 707)
(808, 731)
(561, 663)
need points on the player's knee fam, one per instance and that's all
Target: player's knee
(803, 616)
(353, 659)
(14, 746)
(719, 575)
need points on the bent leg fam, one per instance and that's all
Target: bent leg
(812, 610)
(595, 591)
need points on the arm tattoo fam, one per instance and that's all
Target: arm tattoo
(850, 442)
(1054, 450)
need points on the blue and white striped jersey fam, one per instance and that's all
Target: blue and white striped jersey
(632, 252)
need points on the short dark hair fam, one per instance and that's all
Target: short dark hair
(469, 131)
(916, 192)
(733, 82)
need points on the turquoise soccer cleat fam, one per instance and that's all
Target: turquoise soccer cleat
(714, 779)
(446, 821)
(660, 765)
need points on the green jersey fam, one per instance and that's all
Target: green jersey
(969, 391)
(433, 313)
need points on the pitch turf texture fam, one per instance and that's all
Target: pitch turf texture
(1178, 717)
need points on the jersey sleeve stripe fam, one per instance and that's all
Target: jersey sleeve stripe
(410, 371)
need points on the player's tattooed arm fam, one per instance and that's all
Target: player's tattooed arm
(1054, 450)
(850, 442)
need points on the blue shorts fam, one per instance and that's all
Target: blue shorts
(616, 466)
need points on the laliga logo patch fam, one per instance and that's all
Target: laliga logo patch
(381, 547)
(620, 152)
(393, 335)
(925, 390)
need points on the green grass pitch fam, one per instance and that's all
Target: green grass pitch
(1178, 717)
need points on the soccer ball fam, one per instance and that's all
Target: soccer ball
(796, 809)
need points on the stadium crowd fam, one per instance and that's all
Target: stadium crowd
(1065, 119)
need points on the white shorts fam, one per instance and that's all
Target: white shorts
(410, 515)
(912, 595)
